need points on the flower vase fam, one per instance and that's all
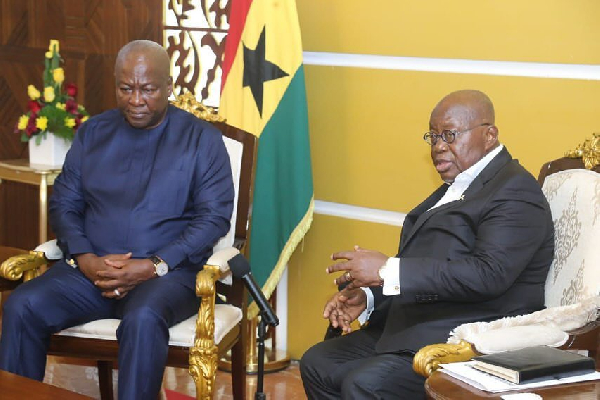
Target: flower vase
(50, 152)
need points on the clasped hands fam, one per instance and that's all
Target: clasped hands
(115, 274)
(361, 269)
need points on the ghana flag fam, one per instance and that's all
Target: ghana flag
(263, 93)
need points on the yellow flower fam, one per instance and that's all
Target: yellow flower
(84, 119)
(54, 43)
(59, 75)
(41, 123)
(48, 94)
(48, 54)
(23, 120)
(33, 93)
(61, 106)
(69, 122)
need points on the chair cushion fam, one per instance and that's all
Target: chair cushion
(182, 334)
(518, 337)
(574, 197)
(564, 318)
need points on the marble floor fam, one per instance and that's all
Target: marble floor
(78, 377)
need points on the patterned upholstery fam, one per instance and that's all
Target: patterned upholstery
(573, 282)
(574, 197)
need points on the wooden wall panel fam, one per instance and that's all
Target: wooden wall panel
(91, 32)
(20, 213)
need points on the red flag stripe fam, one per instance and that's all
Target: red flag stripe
(237, 22)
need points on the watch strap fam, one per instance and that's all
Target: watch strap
(155, 260)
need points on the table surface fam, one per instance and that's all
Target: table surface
(22, 164)
(17, 387)
(442, 386)
(21, 170)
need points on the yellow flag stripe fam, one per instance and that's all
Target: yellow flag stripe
(283, 47)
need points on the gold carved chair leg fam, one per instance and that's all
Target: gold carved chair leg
(204, 353)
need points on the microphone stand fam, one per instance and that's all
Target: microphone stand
(262, 330)
(241, 269)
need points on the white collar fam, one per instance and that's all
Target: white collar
(465, 178)
(469, 175)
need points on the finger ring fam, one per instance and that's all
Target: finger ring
(348, 276)
(117, 292)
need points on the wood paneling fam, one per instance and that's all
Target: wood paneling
(91, 32)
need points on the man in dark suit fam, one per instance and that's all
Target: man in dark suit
(477, 249)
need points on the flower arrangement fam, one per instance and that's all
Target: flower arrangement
(55, 110)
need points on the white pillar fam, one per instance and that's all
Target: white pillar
(282, 310)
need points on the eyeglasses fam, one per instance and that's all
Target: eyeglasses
(447, 136)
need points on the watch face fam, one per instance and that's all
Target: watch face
(162, 269)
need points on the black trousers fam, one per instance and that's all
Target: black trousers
(348, 367)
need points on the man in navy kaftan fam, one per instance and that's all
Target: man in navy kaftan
(145, 192)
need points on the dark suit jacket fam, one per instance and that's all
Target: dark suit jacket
(480, 258)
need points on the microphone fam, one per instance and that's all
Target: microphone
(240, 268)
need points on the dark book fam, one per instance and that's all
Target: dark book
(531, 363)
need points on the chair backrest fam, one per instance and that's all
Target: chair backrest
(241, 147)
(574, 197)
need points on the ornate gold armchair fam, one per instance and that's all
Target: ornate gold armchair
(198, 342)
(572, 187)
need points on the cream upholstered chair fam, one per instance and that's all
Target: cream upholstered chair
(570, 319)
(198, 342)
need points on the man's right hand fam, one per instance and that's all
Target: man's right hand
(344, 307)
(90, 264)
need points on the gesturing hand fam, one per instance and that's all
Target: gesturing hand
(361, 266)
(344, 307)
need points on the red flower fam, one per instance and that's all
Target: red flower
(31, 128)
(71, 89)
(71, 107)
(77, 122)
(34, 106)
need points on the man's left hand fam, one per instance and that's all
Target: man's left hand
(361, 267)
(117, 281)
(344, 307)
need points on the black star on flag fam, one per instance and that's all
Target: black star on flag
(258, 70)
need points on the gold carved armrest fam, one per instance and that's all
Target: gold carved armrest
(26, 266)
(204, 352)
(428, 359)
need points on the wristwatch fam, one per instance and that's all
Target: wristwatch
(160, 267)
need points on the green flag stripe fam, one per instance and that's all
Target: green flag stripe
(283, 187)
